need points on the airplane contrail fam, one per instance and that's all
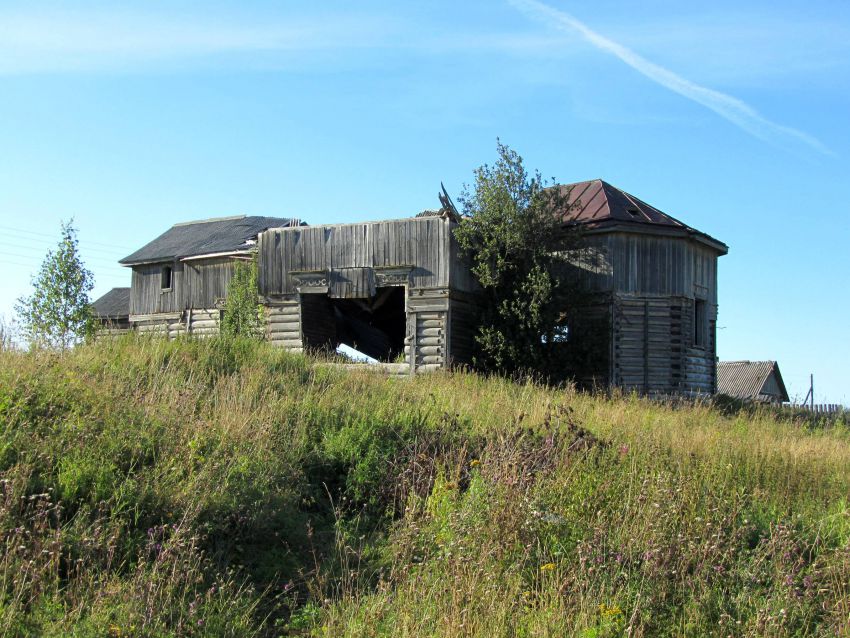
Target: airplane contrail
(732, 109)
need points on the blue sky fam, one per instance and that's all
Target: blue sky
(732, 117)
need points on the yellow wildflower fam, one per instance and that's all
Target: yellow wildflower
(548, 567)
(475, 463)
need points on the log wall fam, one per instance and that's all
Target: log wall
(283, 325)
(654, 349)
(426, 343)
(204, 322)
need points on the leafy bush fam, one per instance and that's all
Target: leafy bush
(242, 311)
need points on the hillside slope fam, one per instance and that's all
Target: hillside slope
(223, 488)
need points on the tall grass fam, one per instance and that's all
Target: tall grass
(223, 487)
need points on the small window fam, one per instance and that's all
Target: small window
(165, 278)
(561, 334)
(700, 322)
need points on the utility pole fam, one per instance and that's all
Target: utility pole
(812, 390)
(810, 396)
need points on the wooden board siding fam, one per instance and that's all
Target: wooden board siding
(348, 256)
(195, 284)
(462, 328)
(640, 264)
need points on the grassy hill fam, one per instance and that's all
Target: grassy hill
(223, 488)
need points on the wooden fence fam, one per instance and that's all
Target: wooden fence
(821, 408)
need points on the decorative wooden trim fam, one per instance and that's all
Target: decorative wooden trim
(393, 276)
(310, 282)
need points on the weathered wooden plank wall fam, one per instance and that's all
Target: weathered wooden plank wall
(463, 325)
(195, 284)
(645, 265)
(349, 253)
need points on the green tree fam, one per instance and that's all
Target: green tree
(241, 307)
(514, 240)
(58, 314)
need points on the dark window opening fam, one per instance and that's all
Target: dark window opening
(700, 322)
(633, 211)
(375, 327)
(560, 334)
(165, 277)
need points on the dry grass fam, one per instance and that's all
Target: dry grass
(225, 488)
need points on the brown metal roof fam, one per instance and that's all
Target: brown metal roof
(746, 379)
(599, 205)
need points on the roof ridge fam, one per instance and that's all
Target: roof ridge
(211, 219)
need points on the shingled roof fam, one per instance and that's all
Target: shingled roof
(596, 204)
(211, 236)
(749, 380)
(113, 305)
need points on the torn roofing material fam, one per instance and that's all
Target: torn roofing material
(113, 305)
(596, 204)
(190, 239)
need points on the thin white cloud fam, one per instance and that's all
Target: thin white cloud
(732, 109)
(48, 42)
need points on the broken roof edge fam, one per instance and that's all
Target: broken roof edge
(367, 222)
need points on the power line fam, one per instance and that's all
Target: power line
(39, 243)
(45, 243)
(53, 237)
(105, 263)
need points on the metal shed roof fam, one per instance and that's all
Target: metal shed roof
(190, 239)
(746, 379)
(114, 304)
(599, 205)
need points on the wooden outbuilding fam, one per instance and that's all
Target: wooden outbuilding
(752, 381)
